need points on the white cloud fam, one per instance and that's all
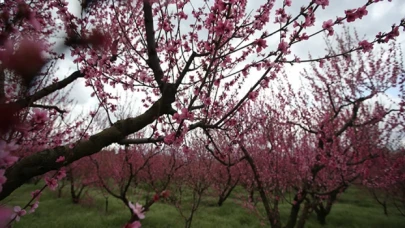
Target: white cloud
(381, 9)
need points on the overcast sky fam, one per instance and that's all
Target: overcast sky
(380, 18)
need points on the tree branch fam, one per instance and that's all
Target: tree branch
(44, 161)
(153, 61)
(25, 102)
(48, 107)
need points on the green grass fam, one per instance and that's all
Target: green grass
(354, 209)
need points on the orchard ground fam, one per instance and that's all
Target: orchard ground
(356, 208)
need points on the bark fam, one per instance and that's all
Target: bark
(26, 101)
(226, 193)
(44, 161)
(292, 219)
(60, 188)
(295, 209)
(106, 204)
(306, 211)
(272, 217)
(2, 86)
(321, 217)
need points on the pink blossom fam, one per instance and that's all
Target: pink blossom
(321, 62)
(36, 194)
(169, 139)
(8, 147)
(60, 159)
(34, 207)
(61, 174)
(328, 25)
(366, 46)
(18, 212)
(186, 150)
(391, 35)
(5, 214)
(282, 16)
(3, 179)
(351, 15)
(362, 11)
(137, 210)
(6, 159)
(253, 95)
(165, 193)
(309, 18)
(40, 116)
(223, 27)
(176, 117)
(135, 224)
(322, 3)
(283, 47)
(261, 43)
(51, 182)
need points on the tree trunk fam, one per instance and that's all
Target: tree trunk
(292, 219)
(106, 204)
(221, 201)
(188, 222)
(59, 192)
(306, 211)
(321, 217)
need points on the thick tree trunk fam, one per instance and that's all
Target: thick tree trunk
(225, 195)
(221, 201)
(306, 211)
(295, 209)
(292, 219)
(385, 209)
(321, 217)
(273, 216)
(44, 161)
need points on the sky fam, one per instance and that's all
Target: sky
(380, 18)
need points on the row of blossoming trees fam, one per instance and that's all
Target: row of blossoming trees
(196, 113)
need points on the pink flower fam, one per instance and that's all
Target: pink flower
(60, 159)
(135, 224)
(165, 194)
(18, 212)
(51, 182)
(34, 207)
(321, 62)
(61, 174)
(351, 15)
(40, 116)
(36, 194)
(169, 139)
(3, 179)
(253, 95)
(366, 46)
(223, 28)
(322, 3)
(261, 43)
(137, 210)
(186, 150)
(6, 159)
(362, 12)
(283, 47)
(5, 214)
(328, 25)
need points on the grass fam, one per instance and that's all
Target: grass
(354, 209)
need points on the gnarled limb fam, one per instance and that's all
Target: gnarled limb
(44, 161)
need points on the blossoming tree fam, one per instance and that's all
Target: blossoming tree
(194, 65)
